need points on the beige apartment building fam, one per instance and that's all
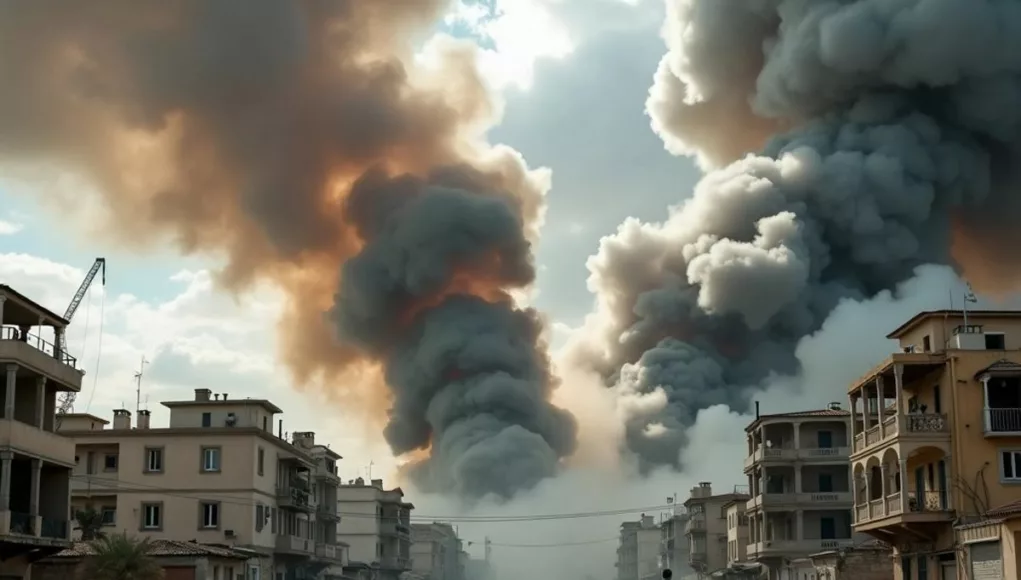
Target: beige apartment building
(937, 446)
(376, 524)
(737, 532)
(436, 552)
(800, 481)
(35, 462)
(638, 550)
(217, 474)
(706, 529)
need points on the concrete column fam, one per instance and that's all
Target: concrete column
(58, 333)
(880, 405)
(2, 300)
(903, 485)
(797, 435)
(6, 463)
(797, 478)
(12, 376)
(37, 472)
(866, 415)
(40, 402)
(799, 525)
(854, 418)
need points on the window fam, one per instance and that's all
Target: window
(152, 516)
(262, 461)
(1010, 466)
(153, 459)
(110, 463)
(210, 513)
(265, 424)
(207, 419)
(995, 341)
(937, 400)
(926, 343)
(210, 459)
(827, 528)
(826, 482)
(109, 516)
(824, 439)
(260, 517)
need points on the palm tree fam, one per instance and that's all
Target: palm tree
(90, 522)
(119, 557)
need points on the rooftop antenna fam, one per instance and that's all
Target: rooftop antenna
(138, 385)
(969, 296)
(370, 469)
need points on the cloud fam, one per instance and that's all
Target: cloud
(197, 338)
(9, 228)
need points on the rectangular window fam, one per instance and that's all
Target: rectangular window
(207, 419)
(210, 459)
(152, 516)
(262, 461)
(1010, 465)
(153, 459)
(824, 439)
(210, 514)
(260, 517)
(265, 424)
(923, 568)
(937, 401)
(826, 482)
(827, 528)
(109, 516)
(110, 463)
(995, 341)
(926, 343)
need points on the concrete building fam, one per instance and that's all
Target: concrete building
(800, 482)
(217, 474)
(706, 529)
(937, 441)
(376, 524)
(869, 561)
(436, 552)
(638, 550)
(737, 532)
(326, 481)
(673, 550)
(35, 462)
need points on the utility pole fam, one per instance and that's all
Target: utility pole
(138, 385)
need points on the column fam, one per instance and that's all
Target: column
(33, 502)
(797, 435)
(2, 300)
(947, 486)
(40, 402)
(797, 478)
(854, 419)
(6, 463)
(903, 485)
(985, 403)
(58, 335)
(854, 488)
(799, 525)
(880, 406)
(866, 414)
(12, 376)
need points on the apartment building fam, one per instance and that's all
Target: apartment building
(329, 549)
(800, 481)
(673, 550)
(937, 441)
(638, 550)
(376, 524)
(35, 462)
(706, 529)
(436, 552)
(217, 474)
(737, 532)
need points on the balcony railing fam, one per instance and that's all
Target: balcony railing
(911, 424)
(694, 524)
(37, 342)
(785, 546)
(925, 502)
(1002, 421)
(52, 528)
(23, 524)
(293, 498)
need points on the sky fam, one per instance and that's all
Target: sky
(572, 77)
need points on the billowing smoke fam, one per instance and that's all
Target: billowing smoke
(848, 142)
(292, 137)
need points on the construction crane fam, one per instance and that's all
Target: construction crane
(66, 403)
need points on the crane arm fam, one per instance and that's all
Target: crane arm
(80, 294)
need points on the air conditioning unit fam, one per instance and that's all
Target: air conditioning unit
(231, 419)
(229, 533)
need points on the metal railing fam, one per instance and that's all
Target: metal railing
(52, 528)
(23, 524)
(37, 342)
(927, 423)
(1003, 420)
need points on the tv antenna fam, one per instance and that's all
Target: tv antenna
(138, 385)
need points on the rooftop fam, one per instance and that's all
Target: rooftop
(160, 548)
(927, 314)
(813, 414)
(23, 311)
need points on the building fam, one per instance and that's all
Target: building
(179, 560)
(35, 462)
(869, 561)
(737, 532)
(436, 552)
(800, 482)
(638, 550)
(673, 550)
(937, 440)
(326, 481)
(217, 474)
(706, 529)
(376, 524)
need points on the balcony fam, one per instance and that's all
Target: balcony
(911, 427)
(785, 548)
(695, 524)
(294, 498)
(327, 511)
(815, 499)
(903, 508)
(37, 355)
(26, 526)
(1002, 422)
(295, 545)
(328, 552)
(790, 454)
(31, 440)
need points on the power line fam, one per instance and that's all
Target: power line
(114, 485)
(558, 544)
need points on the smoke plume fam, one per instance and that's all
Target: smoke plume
(292, 138)
(849, 142)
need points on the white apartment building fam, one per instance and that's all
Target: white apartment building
(800, 481)
(217, 474)
(638, 550)
(706, 529)
(436, 552)
(376, 525)
(737, 532)
(35, 462)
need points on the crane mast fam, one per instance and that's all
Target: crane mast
(66, 403)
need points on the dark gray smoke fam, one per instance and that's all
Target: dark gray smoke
(426, 295)
(894, 124)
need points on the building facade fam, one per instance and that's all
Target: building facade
(937, 441)
(706, 528)
(35, 461)
(737, 532)
(376, 525)
(436, 552)
(638, 549)
(800, 482)
(216, 475)
(673, 552)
